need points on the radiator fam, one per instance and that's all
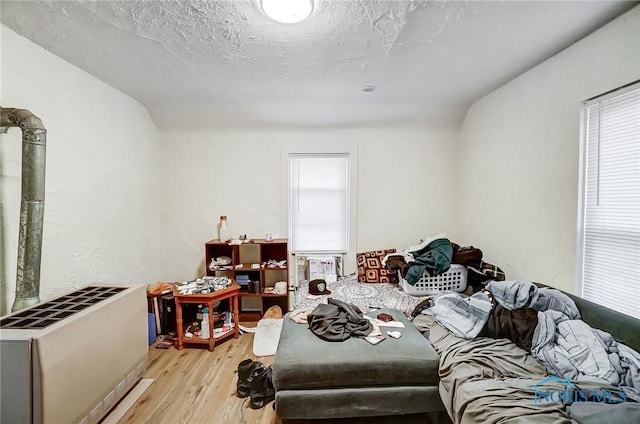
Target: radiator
(71, 359)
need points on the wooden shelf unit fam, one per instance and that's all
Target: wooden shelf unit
(243, 259)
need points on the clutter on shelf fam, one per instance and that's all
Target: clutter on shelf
(220, 263)
(203, 285)
(272, 263)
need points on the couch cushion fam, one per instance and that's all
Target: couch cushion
(304, 361)
(359, 402)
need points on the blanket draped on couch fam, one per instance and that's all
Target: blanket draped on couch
(566, 345)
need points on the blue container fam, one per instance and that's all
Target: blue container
(152, 328)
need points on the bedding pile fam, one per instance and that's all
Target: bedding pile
(488, 380)
(547, 323)
(514, 352)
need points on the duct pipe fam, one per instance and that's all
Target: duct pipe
(34, 137)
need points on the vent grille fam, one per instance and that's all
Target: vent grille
(49, 313)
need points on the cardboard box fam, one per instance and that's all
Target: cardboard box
(325, 267)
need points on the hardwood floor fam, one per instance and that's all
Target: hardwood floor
(198, 387)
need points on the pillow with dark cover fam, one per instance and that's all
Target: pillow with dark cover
(371, 270)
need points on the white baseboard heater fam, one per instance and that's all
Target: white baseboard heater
(71, 359)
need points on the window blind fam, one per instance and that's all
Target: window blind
(318, 203)
(610, 268)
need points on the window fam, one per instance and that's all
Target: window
(318, 202)
(609, 228)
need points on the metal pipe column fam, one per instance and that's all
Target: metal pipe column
(34, 137)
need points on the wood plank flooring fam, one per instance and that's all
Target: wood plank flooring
(196, 386)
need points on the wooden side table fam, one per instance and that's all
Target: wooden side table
(208, 299)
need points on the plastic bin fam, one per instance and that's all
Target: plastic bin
(151, 325)
(454, 280)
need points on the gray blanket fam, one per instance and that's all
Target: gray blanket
(567, 346)
(491, 381)
(494, 381)
(570, 348)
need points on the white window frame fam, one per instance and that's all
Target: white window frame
(348, 257)
(316, 159)
(582, 199)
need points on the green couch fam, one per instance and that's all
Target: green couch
(318, 379)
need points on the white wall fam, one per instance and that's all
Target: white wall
(112, 215)
(405, 177)
(520, 148)
(101, 204)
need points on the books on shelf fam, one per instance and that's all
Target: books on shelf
(243, 281)
(226, 327)
(218, 332)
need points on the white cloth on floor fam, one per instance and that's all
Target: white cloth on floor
(267, 336)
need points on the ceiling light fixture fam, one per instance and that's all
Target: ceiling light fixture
(287, 11)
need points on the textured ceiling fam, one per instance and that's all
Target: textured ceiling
(203, 63)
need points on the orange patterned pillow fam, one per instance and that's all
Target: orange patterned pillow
(371, 270)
